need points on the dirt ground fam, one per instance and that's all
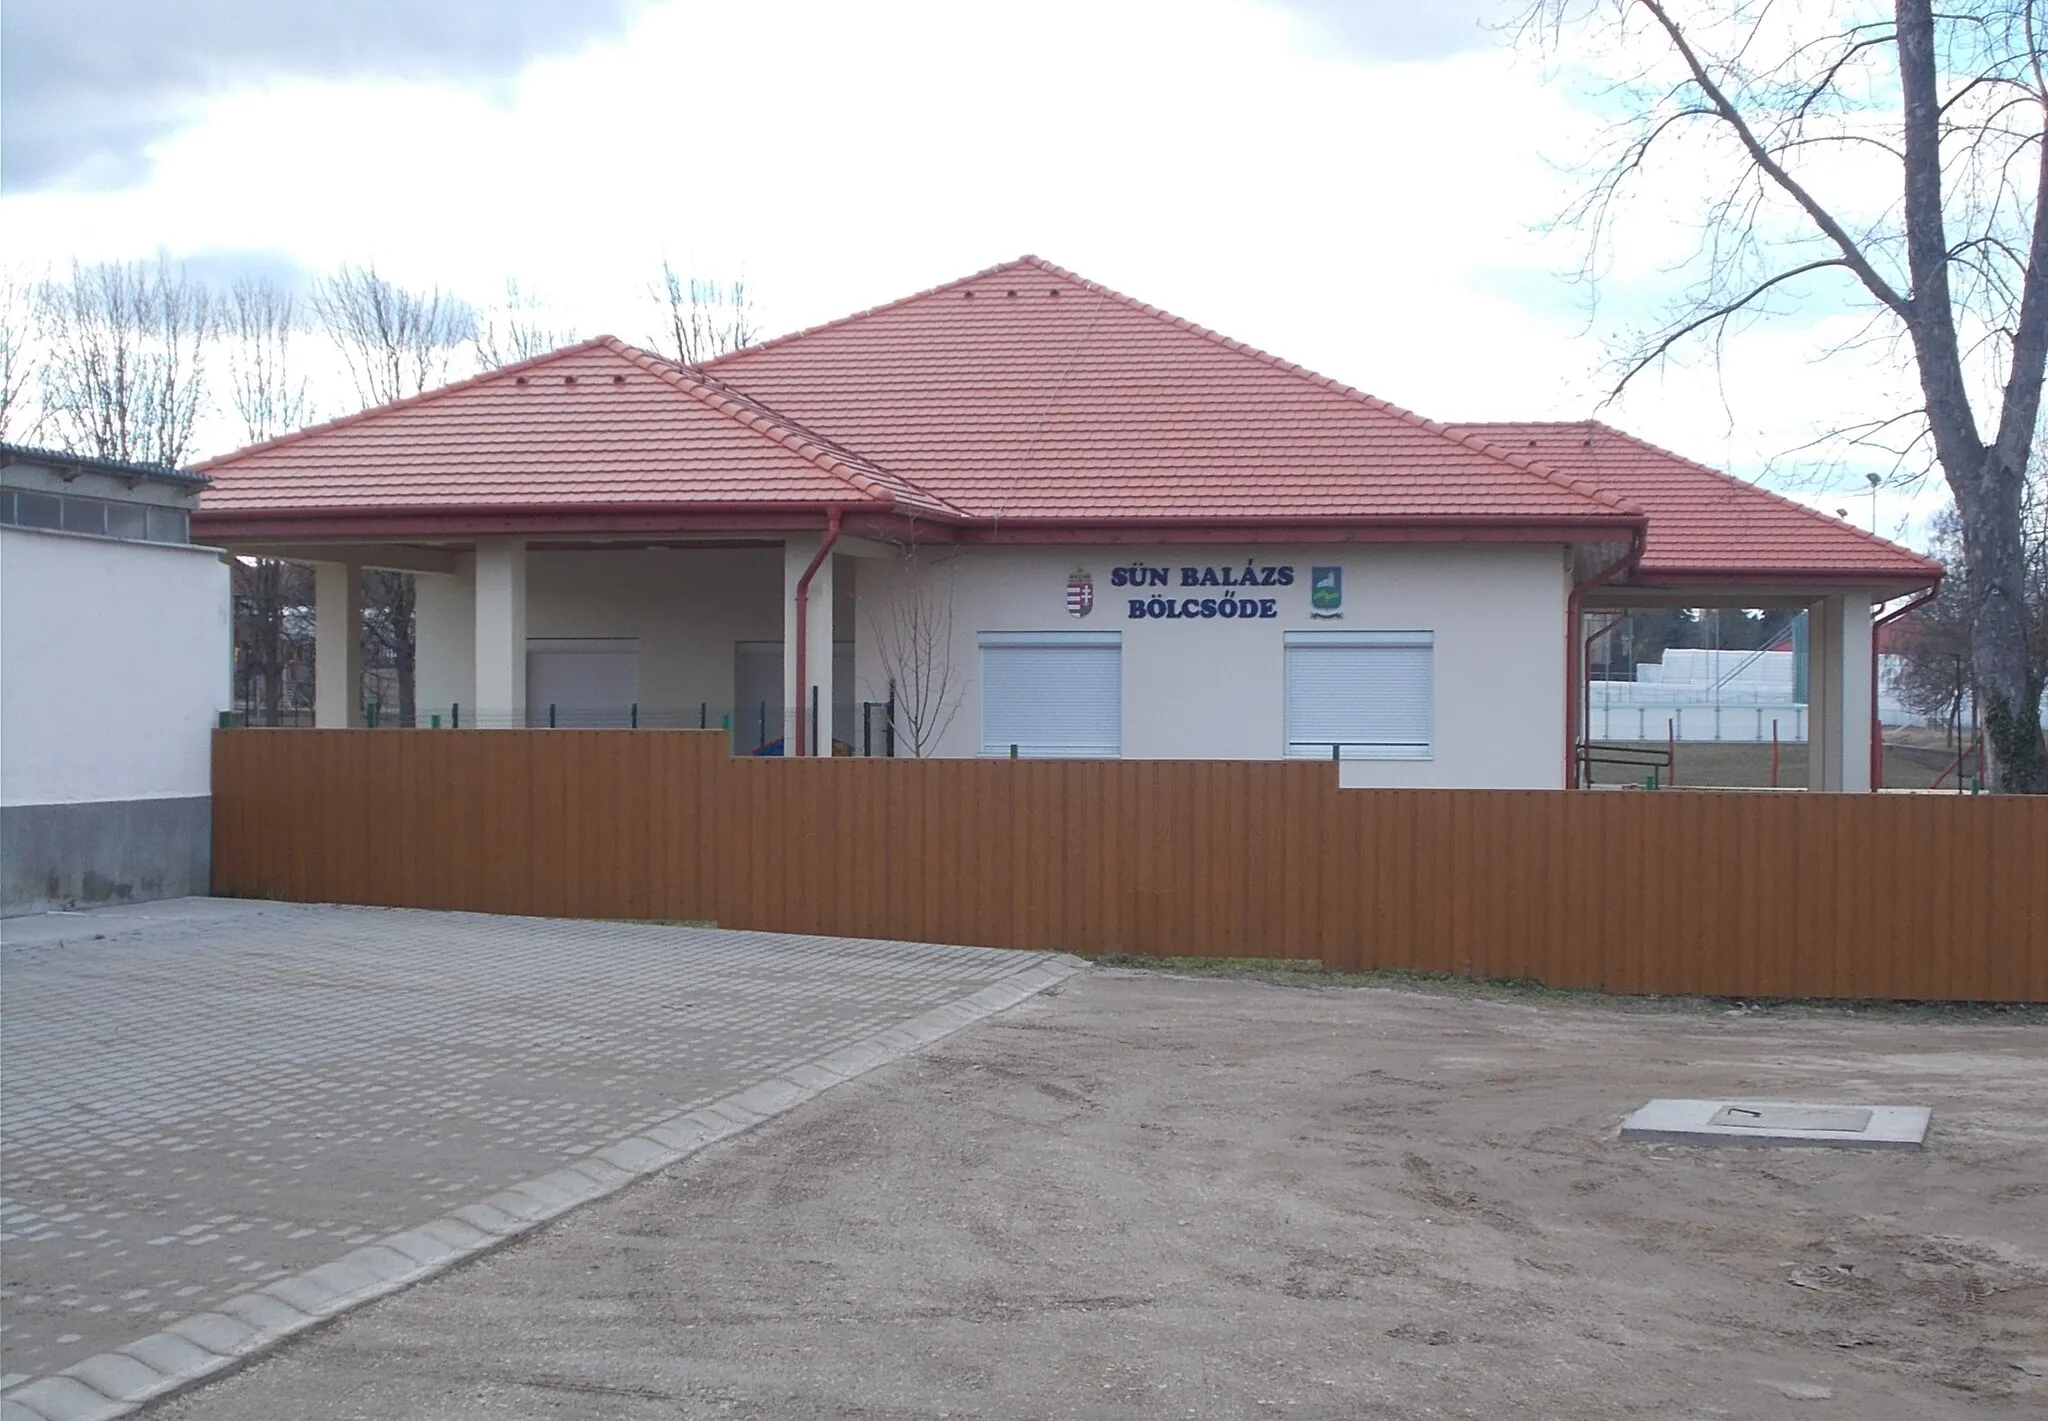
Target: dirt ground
(1153, 1196)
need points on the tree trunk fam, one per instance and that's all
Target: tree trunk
(2009, 694)
(1984, 478)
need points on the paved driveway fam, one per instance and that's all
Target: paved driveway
(206, 1097)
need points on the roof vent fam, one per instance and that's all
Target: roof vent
(568, 379)
(1054, 292)
(618, 379)
(968, 294)
(519, 379)
(1011, 292)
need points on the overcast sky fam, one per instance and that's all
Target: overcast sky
(1357, 185)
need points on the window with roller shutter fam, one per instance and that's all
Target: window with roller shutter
(1052, 694)
(1361, 695)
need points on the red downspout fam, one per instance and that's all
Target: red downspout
(1572, 670)
(803, 624)
(1877, 732)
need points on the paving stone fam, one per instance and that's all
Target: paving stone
(217, 1332)
(174, 1356)
(637, 1154)
(65, 1399)
(769, 1098)
(302, 1293)
(209, 1099)
(121, 1377)
(269, 1315)
(423, 1248)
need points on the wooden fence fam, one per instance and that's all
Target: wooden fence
(1854, 896)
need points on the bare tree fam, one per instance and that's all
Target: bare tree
(123, 374)
(269, 393)
(1759, 106)
(396, 342)
(17, 320)
(914, 644)
(270, 397)
(701, 318)
(513, 330)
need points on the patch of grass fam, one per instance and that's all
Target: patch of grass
(1308, 973)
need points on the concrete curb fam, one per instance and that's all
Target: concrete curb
(210, 1344)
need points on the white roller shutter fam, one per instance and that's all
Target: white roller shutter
(1368, 693)
(1056, 694)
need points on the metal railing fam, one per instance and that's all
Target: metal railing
(761, 728)
(1656, 759)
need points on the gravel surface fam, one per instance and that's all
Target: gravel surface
(1154, 1196)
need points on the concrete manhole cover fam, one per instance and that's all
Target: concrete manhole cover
(1793, 1117)
(1777, 1122)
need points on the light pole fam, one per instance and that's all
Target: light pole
(1874, 482)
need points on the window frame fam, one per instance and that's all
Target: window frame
(1363, 641)
(986, 641)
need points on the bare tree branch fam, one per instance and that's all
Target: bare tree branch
(1956, 262)
(914, 645)
(17, 363)
(395, 341)
(512, 330)
(701, 318)
(124, 373)
(268, 393)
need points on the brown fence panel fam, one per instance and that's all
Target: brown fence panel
(1855, 896)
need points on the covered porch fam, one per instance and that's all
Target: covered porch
(681, 631)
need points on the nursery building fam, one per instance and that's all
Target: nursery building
(1023, 514)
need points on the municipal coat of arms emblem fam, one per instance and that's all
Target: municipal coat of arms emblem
(1080, 593)
(1326, 592)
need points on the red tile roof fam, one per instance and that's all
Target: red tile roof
(1020, 396)
(595, 424)
(1026, 392)
(1706, 525)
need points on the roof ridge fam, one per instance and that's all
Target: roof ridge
(1722, 474)
(1535, 467)
(861, 315)
(835, 458)
(404, 401)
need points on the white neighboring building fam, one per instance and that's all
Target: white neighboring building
(114, 665)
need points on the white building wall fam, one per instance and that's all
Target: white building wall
(116, 668)
(1213, 689)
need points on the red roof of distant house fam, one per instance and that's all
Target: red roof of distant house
(1707, 526)
(1021, 398)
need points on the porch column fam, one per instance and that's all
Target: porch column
(796, 700)
(1838, 724)
(337, 645)
(444, 613)
(501, 631)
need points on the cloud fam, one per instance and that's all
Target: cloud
(87, 85)
(1398, 29)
